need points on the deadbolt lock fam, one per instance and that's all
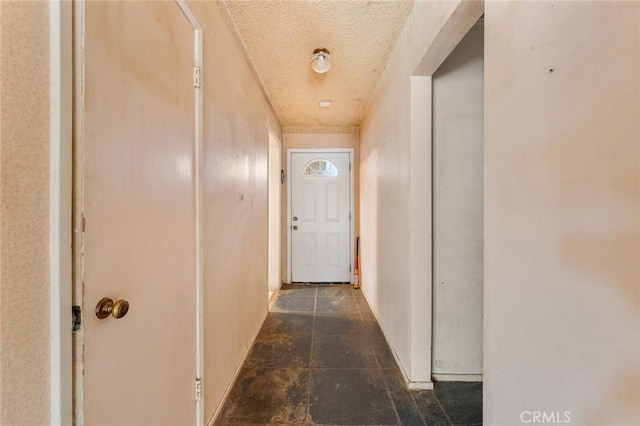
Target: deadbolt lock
(106, 307)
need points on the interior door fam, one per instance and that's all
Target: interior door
(320, 216)
(139, 207)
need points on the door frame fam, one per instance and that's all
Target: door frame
(198, 62)
(64, 400)
(60, 211)
(350, 151)
(421, 204)
(274, 217)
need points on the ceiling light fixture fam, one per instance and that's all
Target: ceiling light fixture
(321, 61)
(325, 103)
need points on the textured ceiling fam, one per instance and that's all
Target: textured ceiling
(280, 37)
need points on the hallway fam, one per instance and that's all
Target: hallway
(148, 158)
(321, 358)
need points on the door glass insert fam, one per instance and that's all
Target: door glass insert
(320, 167)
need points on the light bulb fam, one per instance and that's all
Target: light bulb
(321, 61)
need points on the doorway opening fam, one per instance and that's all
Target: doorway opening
(457, 211)
(431, 156)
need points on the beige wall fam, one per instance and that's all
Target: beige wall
(562, 215)
(236, 143)
(387, 193)
(24, 213)
(562, 211)
(333, 138)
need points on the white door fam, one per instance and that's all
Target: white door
(138, 142)
(320, 216)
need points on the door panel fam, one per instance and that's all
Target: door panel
(333, 249)
(139, 205)
(333, 200)
(309, 195)
(310, 257)
(320, 210)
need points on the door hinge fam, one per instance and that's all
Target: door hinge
(76, 317)
(349, 268)
(84, 223)
(198, 388)
(349, 166)
(196, 76)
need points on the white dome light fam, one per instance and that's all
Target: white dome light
(321, 61)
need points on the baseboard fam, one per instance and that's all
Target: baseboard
(272, 294)
(227, 391)
(420, 385)
(411, 385)
(434, 377)
(457, 377)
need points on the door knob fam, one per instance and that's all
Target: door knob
(106, 307)
(295, 227)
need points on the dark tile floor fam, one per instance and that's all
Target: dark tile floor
(321, 358)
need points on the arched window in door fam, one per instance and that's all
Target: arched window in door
(320, 167)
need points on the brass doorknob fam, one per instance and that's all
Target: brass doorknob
(106, 307)
(120, 309)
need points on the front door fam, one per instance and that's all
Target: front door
(138, 174)
(320, 216)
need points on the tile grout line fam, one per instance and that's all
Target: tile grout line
(379, 368)
(442, 408)
(395, 408)
(375, 355)
(313, 337)
(417, 408)
(393, 402)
